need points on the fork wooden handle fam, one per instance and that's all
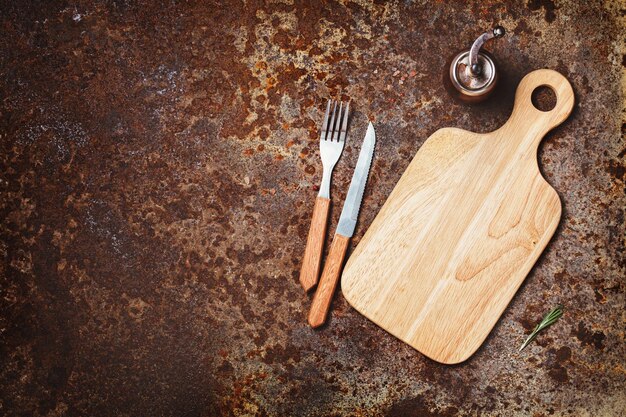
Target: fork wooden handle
(328, 283)
(315, 244)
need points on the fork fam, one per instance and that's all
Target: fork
(332, 139)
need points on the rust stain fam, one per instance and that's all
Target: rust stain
(159, 166)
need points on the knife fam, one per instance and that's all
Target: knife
(345, 229)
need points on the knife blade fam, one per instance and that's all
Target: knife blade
(345, 229)
(352, 205)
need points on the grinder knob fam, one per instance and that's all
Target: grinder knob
(473, 72)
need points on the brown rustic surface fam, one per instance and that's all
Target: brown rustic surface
(159, 166)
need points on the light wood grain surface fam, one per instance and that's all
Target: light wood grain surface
(460, 231)
(310, 271)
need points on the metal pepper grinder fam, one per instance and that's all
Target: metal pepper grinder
(473, 72)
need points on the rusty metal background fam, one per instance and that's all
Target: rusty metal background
(159, 166)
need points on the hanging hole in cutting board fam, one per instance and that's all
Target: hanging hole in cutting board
(543, 98)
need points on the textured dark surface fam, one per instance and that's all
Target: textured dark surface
(159, 168)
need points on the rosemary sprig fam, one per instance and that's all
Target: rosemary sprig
(548, 319)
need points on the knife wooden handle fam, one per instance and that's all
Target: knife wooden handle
(315, 244)
(328, 283)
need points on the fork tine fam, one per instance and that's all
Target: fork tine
(325, 122)
(344, 125)
(336, 128)
(331, 126)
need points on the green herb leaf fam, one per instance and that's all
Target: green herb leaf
(548, 319)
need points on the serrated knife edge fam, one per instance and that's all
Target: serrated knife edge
(352, 204)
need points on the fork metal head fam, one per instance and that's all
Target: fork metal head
(332, 139)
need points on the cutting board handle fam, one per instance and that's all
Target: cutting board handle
(526, 117)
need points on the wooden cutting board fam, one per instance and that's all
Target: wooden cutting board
(460, 231)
